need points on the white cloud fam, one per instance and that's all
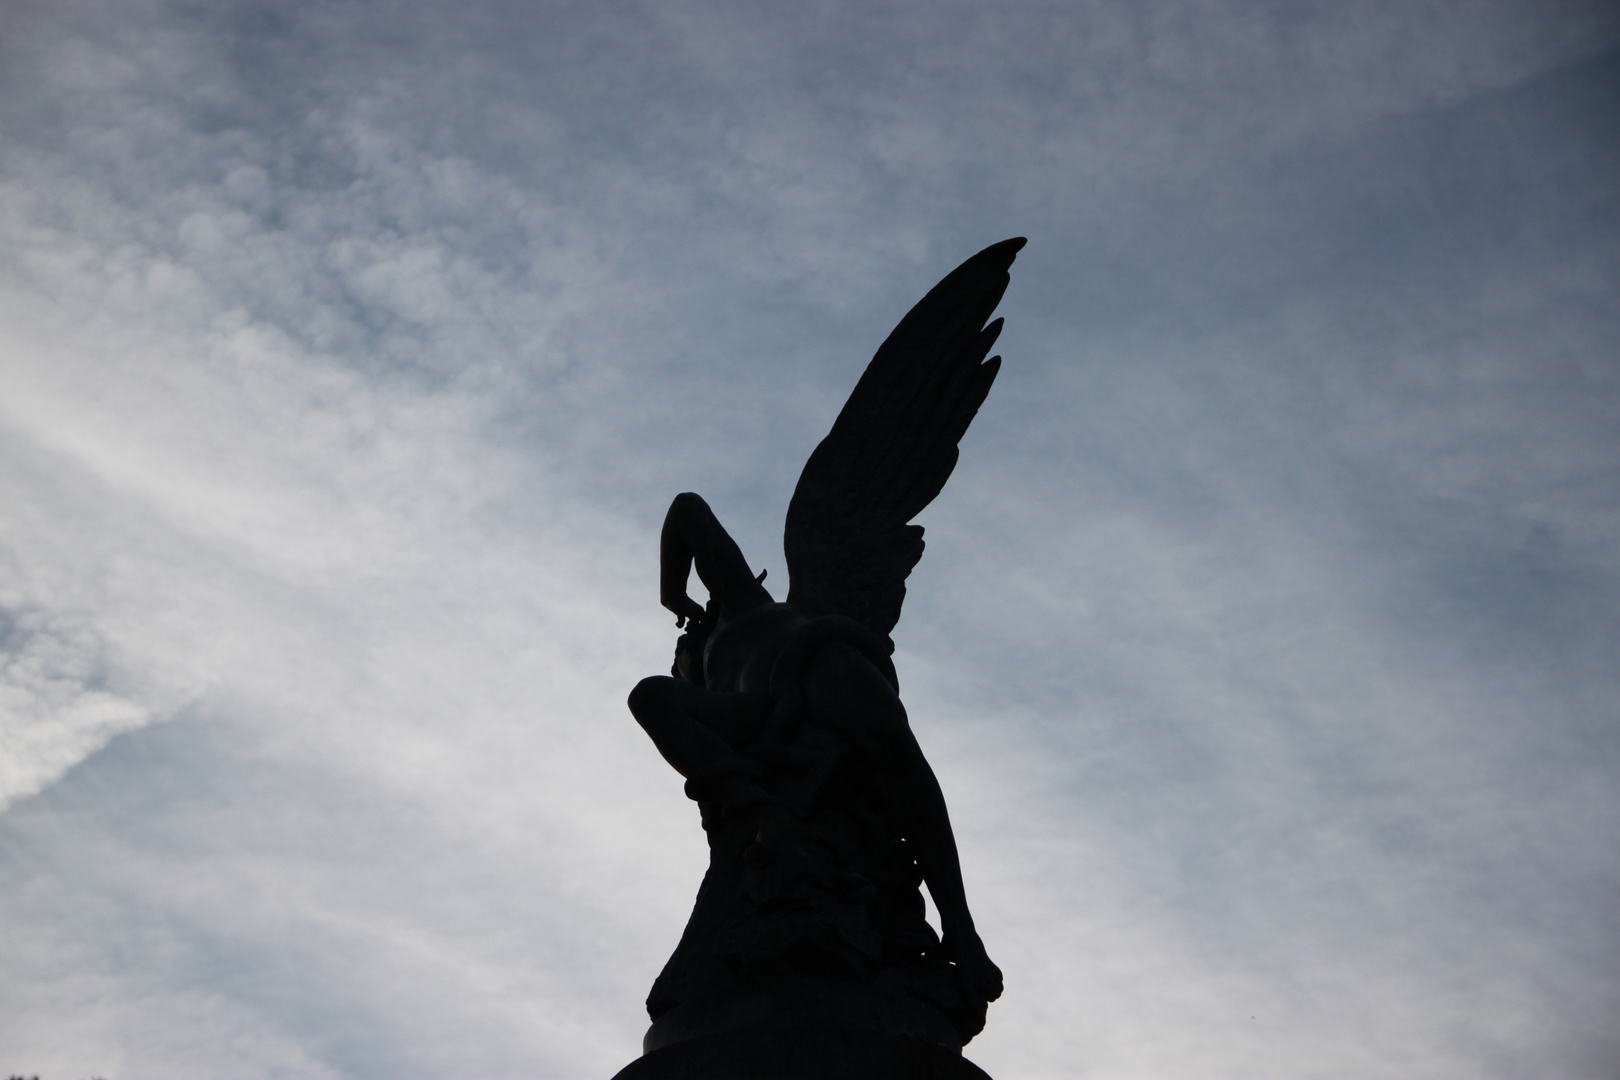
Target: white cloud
(56, 716)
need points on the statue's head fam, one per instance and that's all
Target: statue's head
(690, 645)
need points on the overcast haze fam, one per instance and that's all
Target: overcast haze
(1266, 640)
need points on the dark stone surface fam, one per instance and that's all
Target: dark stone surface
(803, 1053)
(806, 1003)
(823, 817)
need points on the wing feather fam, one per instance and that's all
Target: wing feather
(848, 540)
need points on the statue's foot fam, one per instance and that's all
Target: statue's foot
(978, 977)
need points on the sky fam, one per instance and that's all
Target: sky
(1265, 644)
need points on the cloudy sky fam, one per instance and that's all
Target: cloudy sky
(1266, 642)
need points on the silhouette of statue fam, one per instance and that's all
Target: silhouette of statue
(823, 817)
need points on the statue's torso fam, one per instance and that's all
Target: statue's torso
(741, 650)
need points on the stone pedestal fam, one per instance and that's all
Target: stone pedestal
(804, 1003)
(803, 1053)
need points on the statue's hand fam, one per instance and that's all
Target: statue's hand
(980, 978)
(684, 608)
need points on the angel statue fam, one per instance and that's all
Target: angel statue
(823, 817)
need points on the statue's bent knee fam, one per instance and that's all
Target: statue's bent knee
(648, 694)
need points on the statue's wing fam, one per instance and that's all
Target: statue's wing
(849, 544)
